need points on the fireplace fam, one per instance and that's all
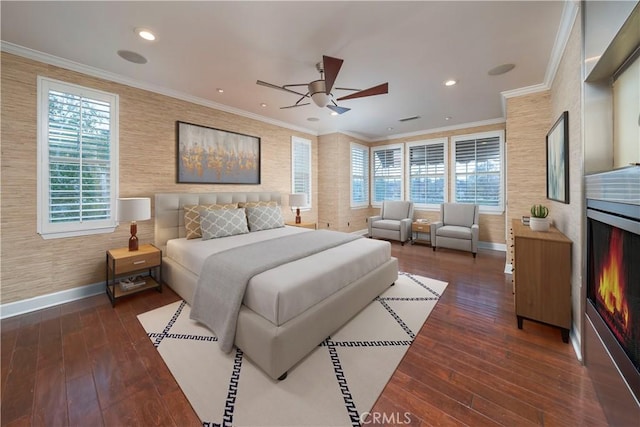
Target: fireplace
(613, 283)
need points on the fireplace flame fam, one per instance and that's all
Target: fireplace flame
(611, 288)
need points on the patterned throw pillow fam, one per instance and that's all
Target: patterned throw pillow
(223, 223)
(256, 204)
(264, 218)
(192, 217)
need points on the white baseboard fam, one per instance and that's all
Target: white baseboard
(575, 342)
(44, 301)
(493, 246)
(361, 232)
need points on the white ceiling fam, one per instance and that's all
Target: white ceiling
(202, 46)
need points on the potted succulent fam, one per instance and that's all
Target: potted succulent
(539, 221)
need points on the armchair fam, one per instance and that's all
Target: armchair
(394, 221)
(458, 227)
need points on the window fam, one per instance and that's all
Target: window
(426, 172)
(478, 169)
(387, 173)
(359, 175)
(301, 167)
(77, 159)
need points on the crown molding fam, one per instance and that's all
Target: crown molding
(495, 121)
(117, 78)
(567, 21)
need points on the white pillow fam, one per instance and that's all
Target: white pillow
(223, 223)
(264, 217)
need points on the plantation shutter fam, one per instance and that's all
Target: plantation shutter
(387, 174)
(478, 171)
(427, 173)
(359, 175)
(79, 158)
(301, 167)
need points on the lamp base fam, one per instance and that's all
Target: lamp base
(298, 218)
(133, 240)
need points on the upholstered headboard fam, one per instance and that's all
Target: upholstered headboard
(169, 212)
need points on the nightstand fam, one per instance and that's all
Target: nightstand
(420, 227)
(311, 225)
(122, 264)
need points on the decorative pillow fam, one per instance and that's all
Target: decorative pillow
(192, 217)
(264, 218)
(256, 204)
(223, 223)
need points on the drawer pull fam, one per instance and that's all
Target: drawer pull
(139, 262)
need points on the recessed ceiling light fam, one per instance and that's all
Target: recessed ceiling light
(145, 34)
(448, 118)
(220, 90)
(333, 113)
(313, 119)
(450, 82)
(501, 69)
(263, 105)
(134, 57)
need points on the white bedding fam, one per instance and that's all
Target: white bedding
(282, 293)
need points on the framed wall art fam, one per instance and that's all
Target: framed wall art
(558, 160)
(213, 156)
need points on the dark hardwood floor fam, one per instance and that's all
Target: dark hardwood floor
(88, 364)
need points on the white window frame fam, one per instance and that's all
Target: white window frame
(49, 230)
(445, 149)
(372, 175)
(491, 134)
(365, 150)
(297, 140)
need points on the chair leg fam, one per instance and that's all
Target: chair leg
(434, 248)
(474, 254)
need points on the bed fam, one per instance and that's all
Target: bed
(276, 327)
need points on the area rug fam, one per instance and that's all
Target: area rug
(335, 385)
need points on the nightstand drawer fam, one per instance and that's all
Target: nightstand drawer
(137, 262)
(421, 228)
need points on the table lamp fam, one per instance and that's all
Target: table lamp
(295, 201)
(134, 209)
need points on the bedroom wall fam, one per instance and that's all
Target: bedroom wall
(334, 176)
(32, 266)
(492, 227)
(566, 95)
(528, 121)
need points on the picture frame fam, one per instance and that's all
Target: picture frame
(558, 160)
(207, 155)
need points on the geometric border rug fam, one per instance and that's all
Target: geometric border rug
(335, 385)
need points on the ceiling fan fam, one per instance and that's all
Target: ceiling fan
(319, 91)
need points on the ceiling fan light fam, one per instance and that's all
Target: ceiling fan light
(317, 93)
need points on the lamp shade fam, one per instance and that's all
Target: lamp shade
(297, 199)
(134, 209)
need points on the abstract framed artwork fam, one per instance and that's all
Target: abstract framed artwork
(558, 160)
(213, 156)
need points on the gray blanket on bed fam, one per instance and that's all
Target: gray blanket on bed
(225, 275)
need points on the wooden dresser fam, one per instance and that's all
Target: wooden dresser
(542, 276)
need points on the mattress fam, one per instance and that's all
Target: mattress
(284, 292)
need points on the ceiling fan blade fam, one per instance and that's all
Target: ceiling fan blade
(339, 110)
(294, 105)
(272, 86)
(376, 90)
(331, 69)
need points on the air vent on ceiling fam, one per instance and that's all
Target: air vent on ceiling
(406, 119)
